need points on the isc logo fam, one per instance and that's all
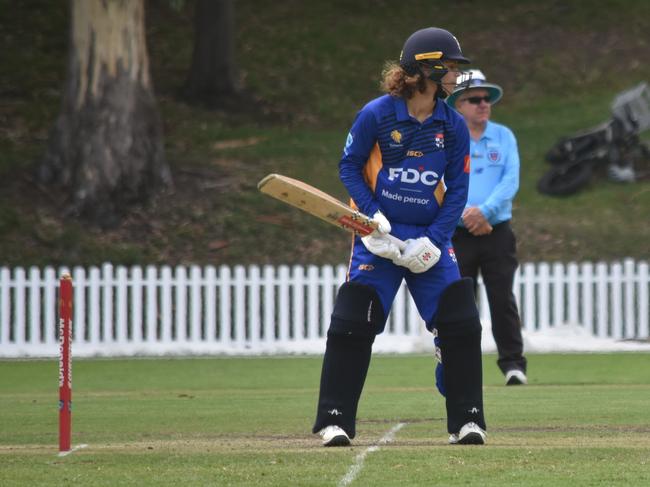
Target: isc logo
(413, 176)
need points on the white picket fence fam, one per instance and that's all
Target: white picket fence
(257, 310)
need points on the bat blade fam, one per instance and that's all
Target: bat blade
(317, 203)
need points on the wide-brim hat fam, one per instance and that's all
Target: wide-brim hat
(476, 80)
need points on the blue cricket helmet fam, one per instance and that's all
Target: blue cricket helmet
(429, 47)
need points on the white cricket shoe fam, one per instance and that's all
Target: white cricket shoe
(469, 434)
(334, 436)
(516, 377)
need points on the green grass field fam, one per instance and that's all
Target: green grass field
(583, 420)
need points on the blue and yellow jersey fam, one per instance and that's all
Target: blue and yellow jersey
(415, 173)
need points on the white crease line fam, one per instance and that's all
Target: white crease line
(358, 461)
(78, 447)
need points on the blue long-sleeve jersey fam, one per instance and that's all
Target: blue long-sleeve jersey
(415, 173)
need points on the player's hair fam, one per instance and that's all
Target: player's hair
(396, 82)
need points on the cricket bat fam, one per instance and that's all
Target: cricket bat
(320, 204)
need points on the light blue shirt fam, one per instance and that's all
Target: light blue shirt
(494, 173)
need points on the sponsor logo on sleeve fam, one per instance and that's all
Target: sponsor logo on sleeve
(348, 143)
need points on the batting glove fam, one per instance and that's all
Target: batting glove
(382, 246)
(383, 225)
(419, 256)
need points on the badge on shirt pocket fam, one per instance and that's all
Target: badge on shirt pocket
(494, 154)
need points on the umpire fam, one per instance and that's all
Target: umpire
(484, 240)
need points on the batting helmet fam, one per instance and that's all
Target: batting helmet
(429, 47)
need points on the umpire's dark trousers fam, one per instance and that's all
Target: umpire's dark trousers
(495, 255)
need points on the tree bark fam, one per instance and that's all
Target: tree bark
(106, 148)
(213, 74)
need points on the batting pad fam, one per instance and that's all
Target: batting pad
(459, 331)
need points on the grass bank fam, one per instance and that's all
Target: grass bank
(313, 65)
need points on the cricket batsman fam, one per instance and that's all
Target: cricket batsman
(406, 163)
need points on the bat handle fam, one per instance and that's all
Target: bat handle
(400, 243)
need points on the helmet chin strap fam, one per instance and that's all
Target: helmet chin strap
(442, 92)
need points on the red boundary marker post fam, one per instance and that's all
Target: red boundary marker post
(65, 363)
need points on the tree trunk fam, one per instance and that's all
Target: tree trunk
(106, 147)
(213, 75)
